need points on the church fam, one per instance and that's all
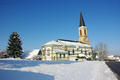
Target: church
(69, 50)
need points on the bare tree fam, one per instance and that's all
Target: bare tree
(101, 50)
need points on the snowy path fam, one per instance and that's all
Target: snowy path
(88, 70)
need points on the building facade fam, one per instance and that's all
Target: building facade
(69, 49)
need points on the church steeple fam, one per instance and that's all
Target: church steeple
(83, 36)
(82, 23)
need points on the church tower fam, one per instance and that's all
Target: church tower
(83, 36)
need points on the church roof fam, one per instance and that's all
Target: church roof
(66, 40)
(82, 23)
(67, 43)
(72, 43)
(52, 43)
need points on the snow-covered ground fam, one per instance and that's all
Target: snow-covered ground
(54, 70)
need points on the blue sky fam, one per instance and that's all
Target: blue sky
(40, 21)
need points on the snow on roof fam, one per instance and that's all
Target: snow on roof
(67, 43)
(52, 43)
(77, 44)
(60, 51)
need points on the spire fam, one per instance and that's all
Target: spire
(82, 23)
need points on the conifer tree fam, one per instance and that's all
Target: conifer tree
(14, 48)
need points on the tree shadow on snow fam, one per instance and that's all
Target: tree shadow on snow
(20, 75)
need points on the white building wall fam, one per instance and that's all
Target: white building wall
(72, 57)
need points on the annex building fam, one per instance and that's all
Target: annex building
(69, 49)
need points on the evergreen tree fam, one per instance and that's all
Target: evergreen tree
(14, 48)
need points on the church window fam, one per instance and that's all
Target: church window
(73, 51)
(80, 32)
(68, 52)
(48, 52)
(81, 51)
(60, 55)
(88, 53)
(64, 55)
(77, 49)
(85, 52)
(85, 31)
(44, 53)
(54, 57)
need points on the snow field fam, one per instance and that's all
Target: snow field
(63, 70)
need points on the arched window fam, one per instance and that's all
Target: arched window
(64, 55)
(85, 31)
(80, 32)
(43, 52)
(48, 52)
(60, 55)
